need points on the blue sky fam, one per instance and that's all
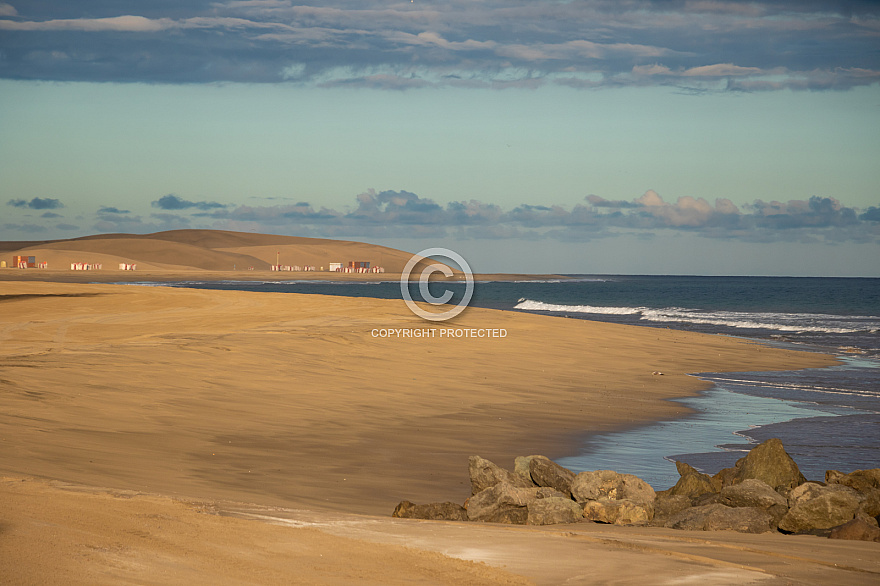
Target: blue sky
(699, 137)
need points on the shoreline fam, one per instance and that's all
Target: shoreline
(824, 419)
(716, 455)
(308, 360)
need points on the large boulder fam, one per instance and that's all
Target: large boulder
(865, 482)
(667, 505)
(859, 480)
(618, 512)
(553, 510)
(489, 503)
(545, 492)
(770, 463)
(521, 466)
(724, 477)
(610, 485)
(484, 474)
(545, 472)
(509, 516)
(710, 498)
(815, 507)
(691, 482)
(433, 511)
(720, 517)
(833, 476)
(872, 521)
(870, 502)
(858, 529)
(754, 493)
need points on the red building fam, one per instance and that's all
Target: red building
(24, 262)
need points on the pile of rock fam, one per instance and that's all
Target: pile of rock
(764, 491)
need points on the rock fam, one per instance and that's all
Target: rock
(724, 477)
(859, 480)
(872, 521)
(814, 507)
(770, 463)
(545, 472)
(751, 493)
(487, 504)
(618, 512)
(691, 483)
(509, 516)
(754, 493)
(858, 529)
(521, 466)
(805, 491)
(545, 492)
(710, 498)
(667, 505)
(608, 484)
(718, 517)
(870, 502)
(553, 510)
(833, 476)
(811, 490)
(484, 474)
(433, 511)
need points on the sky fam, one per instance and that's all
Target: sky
(624, 137)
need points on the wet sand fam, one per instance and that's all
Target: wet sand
(57, 533)
(289, 401)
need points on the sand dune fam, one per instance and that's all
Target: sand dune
(147, 253)
(205, 250)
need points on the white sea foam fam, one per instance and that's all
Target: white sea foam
(809, 388)
(530, 305)
(782, 322)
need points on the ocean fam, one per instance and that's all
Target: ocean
(826, 418)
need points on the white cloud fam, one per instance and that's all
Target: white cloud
(722, 70)
(654, 69)
(431, 38)
(295, 71)
(115, 23)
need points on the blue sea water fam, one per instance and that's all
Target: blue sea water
(826, 418)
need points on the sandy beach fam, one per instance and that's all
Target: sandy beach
(172, 404)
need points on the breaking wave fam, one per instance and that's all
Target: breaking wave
(783, 322)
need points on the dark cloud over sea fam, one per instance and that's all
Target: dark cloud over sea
(692, 44)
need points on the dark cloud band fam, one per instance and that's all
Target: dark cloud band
(718, 45)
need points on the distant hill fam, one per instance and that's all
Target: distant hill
(203, 250)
